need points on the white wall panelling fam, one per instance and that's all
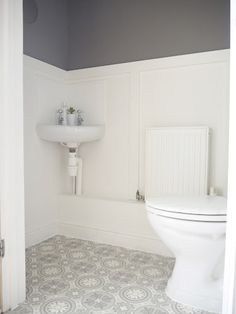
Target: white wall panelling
(115, 222)
(190, 94)
(44, 89)
(189, 90)
(105, 101)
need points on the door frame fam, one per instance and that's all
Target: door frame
(1, 301)
(11, 156)
(229, 291)
(12, 172)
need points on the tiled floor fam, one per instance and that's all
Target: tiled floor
(68, 276)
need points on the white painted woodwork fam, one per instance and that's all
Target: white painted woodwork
(229, 292)
(114, 222)
(11, 155)
(189, 90)
(44, 91)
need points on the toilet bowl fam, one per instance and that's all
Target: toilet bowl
(193, 228)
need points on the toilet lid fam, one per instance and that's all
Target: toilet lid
(202, 208)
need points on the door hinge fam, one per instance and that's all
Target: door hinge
(2, 248)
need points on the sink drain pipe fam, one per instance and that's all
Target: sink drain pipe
(75, 165)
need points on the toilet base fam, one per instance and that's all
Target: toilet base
(208, 302)
(198, 246)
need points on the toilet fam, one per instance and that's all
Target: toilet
(193, 228)
(191, 223)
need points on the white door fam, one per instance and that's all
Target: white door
(0, 287)
(12, 268)
(2, 253)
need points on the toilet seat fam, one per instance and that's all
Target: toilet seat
(194, 208)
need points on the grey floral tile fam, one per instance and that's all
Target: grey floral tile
(98, 300)
(113, 263)
(122, 277)
(58, 305)
(89, 282)
(72, 276)
(54, 287)
(135, 294)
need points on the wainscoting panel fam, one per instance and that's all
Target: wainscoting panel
(44, 91)
(189, 95)
(107, 221)
(105, 162)
(188, 90)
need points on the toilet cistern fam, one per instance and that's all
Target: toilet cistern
(71, 137)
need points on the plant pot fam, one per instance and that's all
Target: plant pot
(71, 119)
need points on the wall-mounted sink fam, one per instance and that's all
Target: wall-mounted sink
(70, 135)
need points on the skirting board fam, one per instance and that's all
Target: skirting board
(40, 234)
(130, 241)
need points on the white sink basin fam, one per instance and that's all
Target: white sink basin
(70, 135)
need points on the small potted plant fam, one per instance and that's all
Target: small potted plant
(71, 116)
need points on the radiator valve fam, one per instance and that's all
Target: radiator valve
(140, 197)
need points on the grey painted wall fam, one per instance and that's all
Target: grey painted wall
(74, 34)
(114, 31)
(47, 38)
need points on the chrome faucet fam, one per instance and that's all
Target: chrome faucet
(80, 120)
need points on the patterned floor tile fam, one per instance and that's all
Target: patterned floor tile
(72, 276)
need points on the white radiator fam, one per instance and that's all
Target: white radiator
(176, 161)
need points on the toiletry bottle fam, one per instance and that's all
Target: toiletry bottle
(64, 114)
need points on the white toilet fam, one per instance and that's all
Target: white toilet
(191, 224)
(193, 228)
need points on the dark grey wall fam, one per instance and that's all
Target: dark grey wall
(74, 34)
(47, 38)
(114, 31)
